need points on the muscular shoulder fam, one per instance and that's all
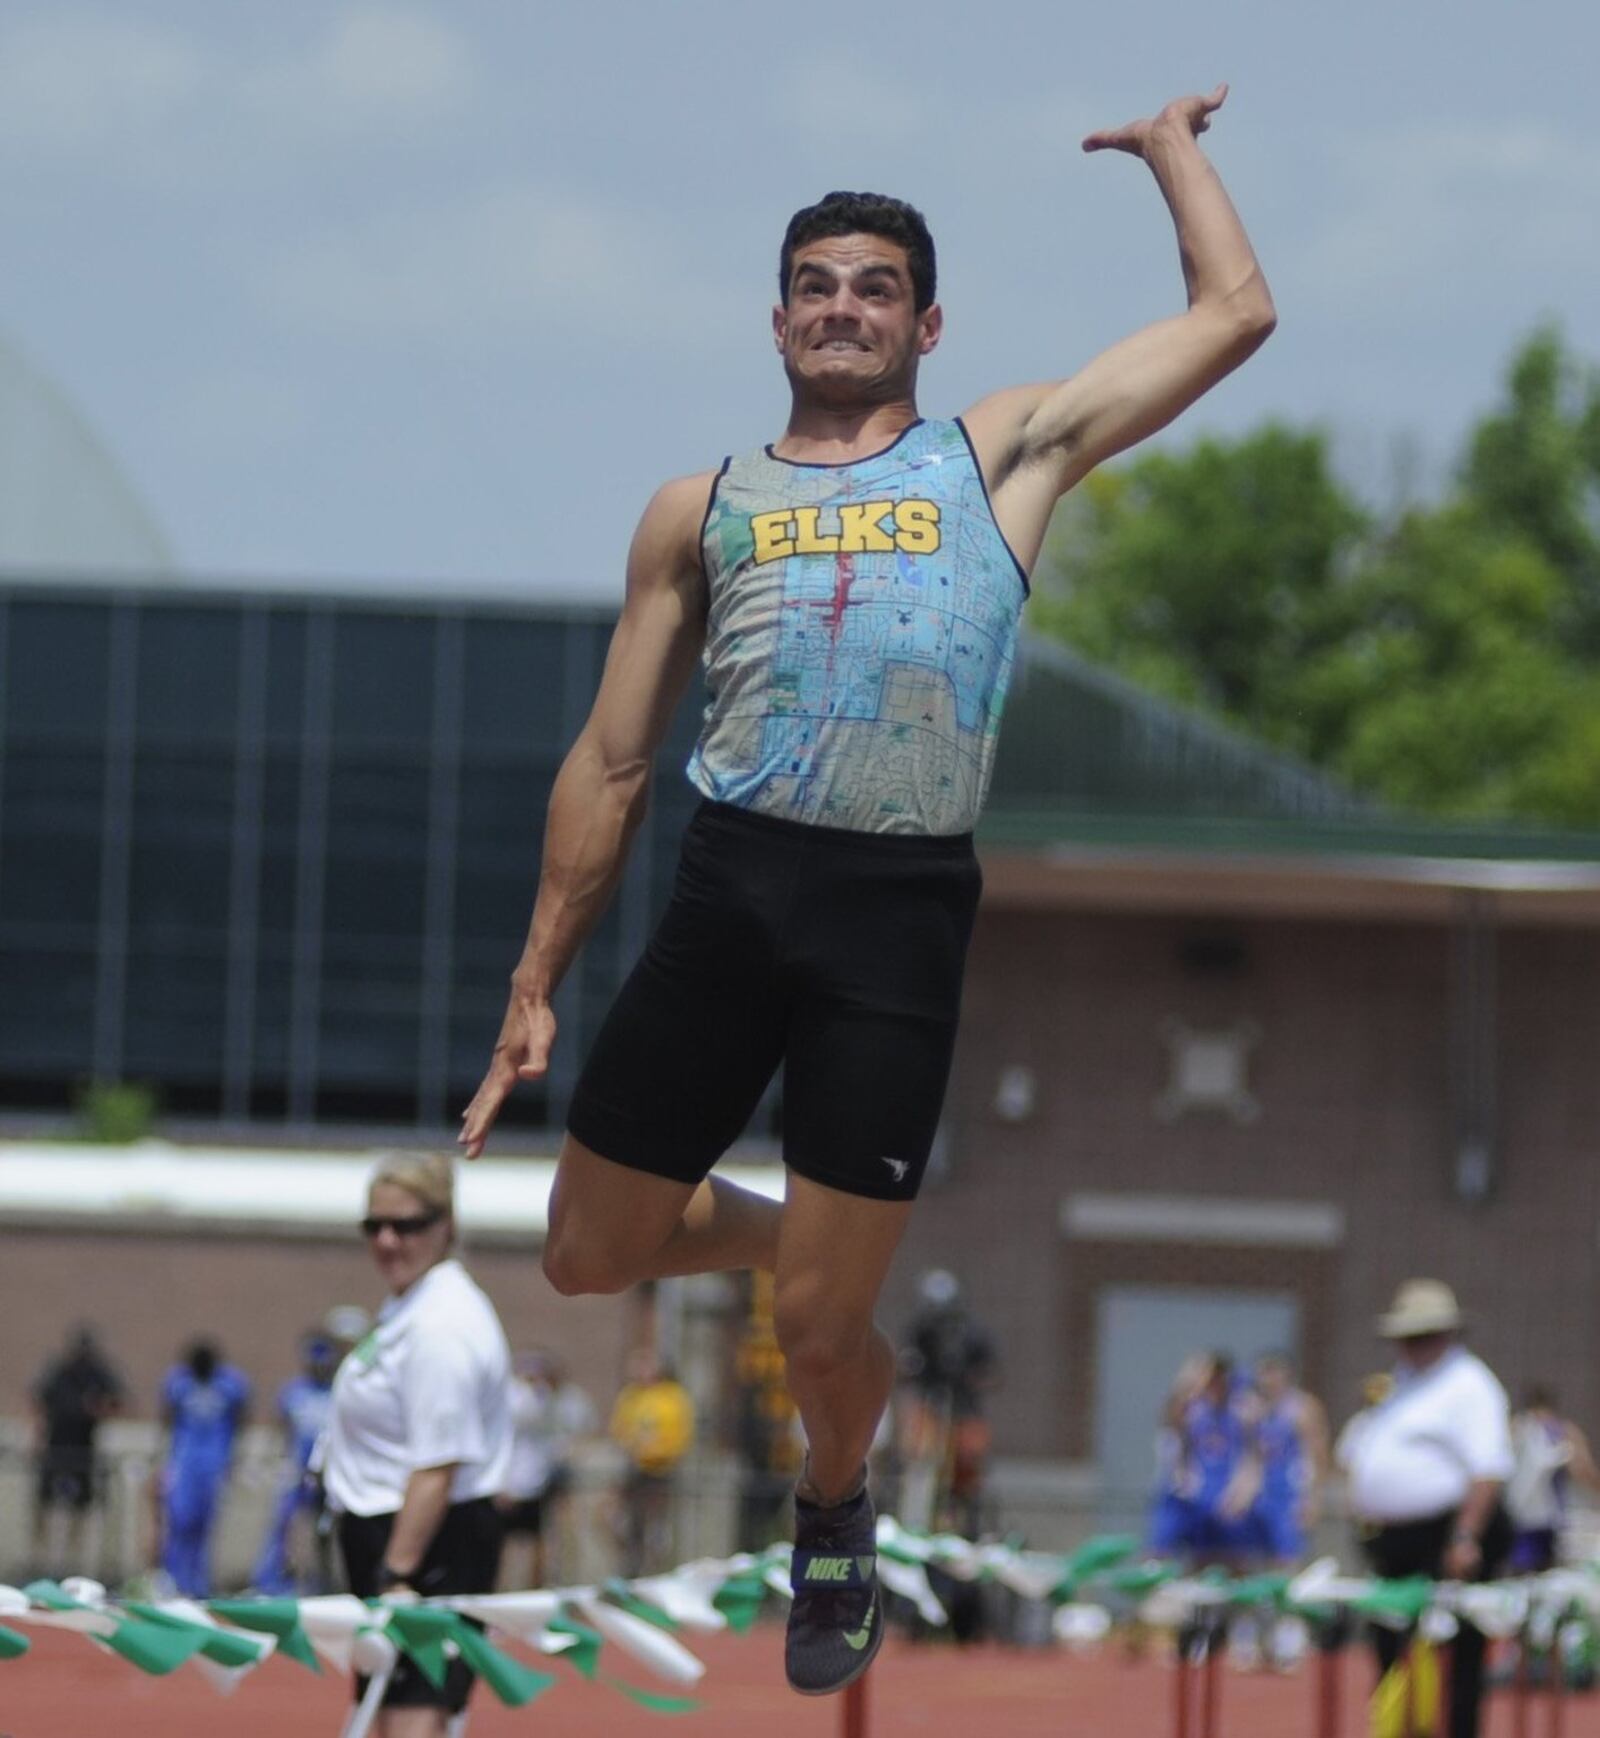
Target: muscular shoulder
(667, 542)
(998, 426)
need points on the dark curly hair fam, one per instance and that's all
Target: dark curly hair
(865, 214)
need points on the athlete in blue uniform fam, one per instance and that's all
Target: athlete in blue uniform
(203, 1403)
(1213, 1468)
(1292, 1439)
(854, 590)
(304, 1402)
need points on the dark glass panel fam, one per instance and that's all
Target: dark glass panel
(188, 683)
(57, 669)
(383, 679)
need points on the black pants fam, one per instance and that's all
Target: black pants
(463, 1558)
(1417, 1548)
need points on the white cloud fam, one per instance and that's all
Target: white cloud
(837, 103)
(132, 98)
(1434, 214)
(377, 68)
(74, 84)
(520, 258)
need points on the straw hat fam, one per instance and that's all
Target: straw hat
(1421, 1306)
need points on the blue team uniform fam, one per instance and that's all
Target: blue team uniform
(303, 1406)
(1285, 1473)
(205, 1418)
(1202, 1458)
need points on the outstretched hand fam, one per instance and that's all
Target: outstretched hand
(521, 1052)
(1194, 113)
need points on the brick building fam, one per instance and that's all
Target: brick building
(1238, 1053)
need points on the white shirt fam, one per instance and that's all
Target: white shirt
(544, 1421)
(1439, 1432)
(429, 1386)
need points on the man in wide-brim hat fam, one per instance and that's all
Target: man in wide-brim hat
(1427, 1470)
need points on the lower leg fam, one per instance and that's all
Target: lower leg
(835, 1251)
(841, 1407)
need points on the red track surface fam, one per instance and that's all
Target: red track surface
(66, 1688)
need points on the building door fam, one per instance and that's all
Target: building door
(1142, 1335)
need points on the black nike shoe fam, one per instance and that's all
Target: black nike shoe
(836, 1620)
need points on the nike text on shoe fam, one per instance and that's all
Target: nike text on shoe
(836, 1620)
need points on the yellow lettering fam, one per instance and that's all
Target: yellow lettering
(861, 528)
(769, 533)
(806, 540)
(917, 527)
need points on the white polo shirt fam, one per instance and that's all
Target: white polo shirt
(429, 1386)
(1440, 1431)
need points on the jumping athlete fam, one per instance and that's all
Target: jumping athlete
(854, 589)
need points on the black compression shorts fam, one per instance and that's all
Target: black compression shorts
(839, 954)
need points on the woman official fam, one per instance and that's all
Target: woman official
(420, 1437)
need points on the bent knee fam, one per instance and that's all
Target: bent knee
(578, 1271)
(816, 1342)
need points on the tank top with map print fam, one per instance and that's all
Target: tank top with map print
(862, 622)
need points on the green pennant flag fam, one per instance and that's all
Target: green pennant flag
(218, 1645)
(657, 1704)
(1091, 1560)
(1406, 1599)
(584, 1655)
(12, 1645)
(420, 1632)
(740, 1599)
(276, 1617)
(1259, 1590)
(514, 1683)
(152, 1647)
(1141, 1578)
(1097, 1555)
(620, 1594)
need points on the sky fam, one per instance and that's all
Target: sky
(382, 294)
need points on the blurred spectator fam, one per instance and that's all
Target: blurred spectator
(1291, 1431)
(549, 1412)
(419, 1440)
(304, 1403)
(767, 1429)
(948, 1359)
(72, 1394)
(653, 1423)
(1548, 1453)
(1427, 1471)
(1211, 1467)
(204, 1401)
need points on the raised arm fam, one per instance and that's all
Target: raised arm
(1036, 442)
(601, 789)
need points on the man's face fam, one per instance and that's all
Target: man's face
(1421, 1350)
(850, 331)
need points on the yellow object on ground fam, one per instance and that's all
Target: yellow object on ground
(1406, 1701)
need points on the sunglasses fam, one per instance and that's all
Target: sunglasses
(413, 1226)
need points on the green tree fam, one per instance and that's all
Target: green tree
(1532, 468)
(1447, 663)
(1209, 575)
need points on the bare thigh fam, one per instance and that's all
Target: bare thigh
(607, 1220)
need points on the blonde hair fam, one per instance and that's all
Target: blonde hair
(431, 1177)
